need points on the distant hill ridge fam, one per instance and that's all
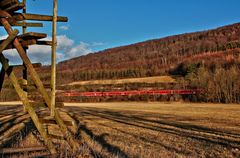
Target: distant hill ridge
(156, 57)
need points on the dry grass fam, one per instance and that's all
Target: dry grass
(158, 129)
(159, 79)
(146, 129)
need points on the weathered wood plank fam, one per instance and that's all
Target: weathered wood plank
(24, 43)
(25, 100)
(9, 40)
(3, 45)
(27, 24)
(7, 3)
(2, 77)
(53, 121)
(27, 105)
(40, 86)
(35, 65)
(15, 7)
(21, 150)
(17, 120)
(24, 71)
(53, 64)
(32, 35)
(41, 104)
(38, 17)
(47, 43)
(10, 132)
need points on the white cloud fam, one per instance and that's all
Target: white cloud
(66, 49)
(64, 43)
(3, 37)
(65, 28)
(82, 48)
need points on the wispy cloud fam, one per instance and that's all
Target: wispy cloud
(94, 44)
(65, 28)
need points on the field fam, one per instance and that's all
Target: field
(158, 79)
(159, 129)
(138, 129)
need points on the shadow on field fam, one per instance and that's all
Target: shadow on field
(14, 123)
(160, 124)
(110, 129)
(101, 140)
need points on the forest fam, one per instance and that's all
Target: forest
(207, 60)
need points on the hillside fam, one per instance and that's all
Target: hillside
(155, 57)
(207, 60)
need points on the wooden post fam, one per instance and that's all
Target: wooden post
(2, 77)
(27, 105)
(39, 83)
(53, 66)
(21, 93)
(25, 77)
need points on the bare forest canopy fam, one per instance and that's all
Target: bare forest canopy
(206, 60)
(173, 55)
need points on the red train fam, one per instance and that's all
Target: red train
(132, 93)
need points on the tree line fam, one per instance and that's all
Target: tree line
(220, 85)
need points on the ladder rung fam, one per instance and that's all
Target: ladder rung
(32, 35)
(53, 121)
(23, 43)
(38, 17)
(35, 65)
(20, 150)
(7, 3)
(48, 43)
(15, 7)
(54, 129)
(42, 104)
(33, 86)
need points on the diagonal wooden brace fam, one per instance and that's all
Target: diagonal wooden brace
(39, 84)
(23, 97)
(3, 45)
(9, 40)
(2, 76)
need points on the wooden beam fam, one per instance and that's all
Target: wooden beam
(35, 65)
(53, 121)
(9, 40)
(32, 35)
(14, 7)
(39, 85)
(21, 24)
(47, 43)
(33, 86)
(2, 77)
(23, 97)
(21, 150)
(42, 104)
(38, 17)
(4, 3)
(24, 71)
(25, 44)
(53, 64)
(27, 105)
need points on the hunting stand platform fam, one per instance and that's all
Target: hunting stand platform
(47, 119)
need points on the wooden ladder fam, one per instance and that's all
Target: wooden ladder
(19, 42)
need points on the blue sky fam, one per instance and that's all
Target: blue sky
(101, 24)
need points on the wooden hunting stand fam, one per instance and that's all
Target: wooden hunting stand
(14, 13)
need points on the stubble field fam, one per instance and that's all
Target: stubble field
(158, 129)
(138, 129)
